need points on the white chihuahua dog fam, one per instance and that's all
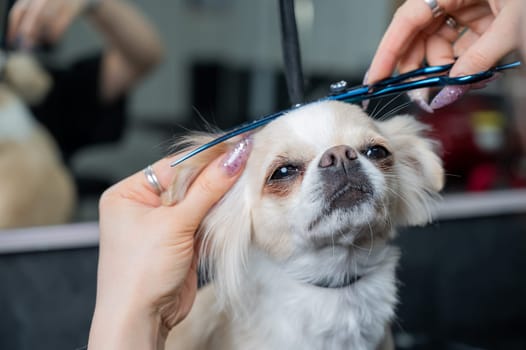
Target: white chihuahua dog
(298, 250)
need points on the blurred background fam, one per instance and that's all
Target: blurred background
(462, 281)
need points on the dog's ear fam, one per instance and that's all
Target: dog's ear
(418, 166)
(225, 235)
(225, 232)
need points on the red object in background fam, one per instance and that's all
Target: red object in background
(472, 133)
(453, 127)
(482, 177)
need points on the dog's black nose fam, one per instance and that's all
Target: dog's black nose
(345, 183)
(337, 156)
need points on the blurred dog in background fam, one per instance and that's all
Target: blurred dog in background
(35, 186)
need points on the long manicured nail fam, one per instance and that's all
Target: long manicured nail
(448, 95)
(420, 97)
(365, 77)
(237, 157)
(365, 103)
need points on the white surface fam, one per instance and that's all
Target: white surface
(83, 235)
(467, 205)
(46, 238)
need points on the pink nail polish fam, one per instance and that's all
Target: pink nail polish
(365, 77)
(237, 157)
(448, 95)
(420, 97)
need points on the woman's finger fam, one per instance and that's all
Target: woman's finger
(65, 14)
(407, 23)
(30, 27)
(472, 13)
(412, 18)
(481, 25)
(466, 40)
(439, 47)
(414, 55)
(15, 19)
(55, 19)
(498, 40)
(137, 187)
(215, 180)
(413, 60)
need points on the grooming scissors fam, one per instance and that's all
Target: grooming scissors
(433, 76)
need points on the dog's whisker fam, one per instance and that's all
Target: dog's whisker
(373, 113)
(372, 239)
(394, 111)
(398, 195)
(453, 175)
(423, 198)
(359, 247)
(374, 116)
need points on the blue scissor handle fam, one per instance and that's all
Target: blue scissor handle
(391, 85)
(399, 84)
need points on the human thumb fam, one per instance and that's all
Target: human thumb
(214, 181)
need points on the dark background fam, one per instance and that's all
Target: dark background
(462, 287)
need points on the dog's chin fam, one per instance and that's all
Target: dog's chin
(340, 223)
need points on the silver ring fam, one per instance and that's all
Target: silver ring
(436, 10)
(152, 179)
(451, 22)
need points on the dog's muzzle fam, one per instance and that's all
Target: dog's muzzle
(345, 183)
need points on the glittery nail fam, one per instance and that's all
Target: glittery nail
(420, 97)
(448, 95)
(237, 157)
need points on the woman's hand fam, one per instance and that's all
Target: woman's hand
(147, 278)
(132, 45)
(478, 32)
(36, 21)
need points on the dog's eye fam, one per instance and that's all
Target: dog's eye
(377, 152)
(285, 172)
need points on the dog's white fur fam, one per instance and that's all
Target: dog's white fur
(35, 187)
(267, 243)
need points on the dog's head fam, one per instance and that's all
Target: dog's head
(324, 174)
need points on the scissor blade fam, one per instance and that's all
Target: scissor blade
(233, 133)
